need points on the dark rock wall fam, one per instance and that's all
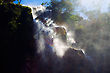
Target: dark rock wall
(16, 36)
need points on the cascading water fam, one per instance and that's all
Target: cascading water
(55, 45)
(50, 34)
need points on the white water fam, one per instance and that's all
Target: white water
(48, 38)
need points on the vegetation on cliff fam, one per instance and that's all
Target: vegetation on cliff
(16, 35)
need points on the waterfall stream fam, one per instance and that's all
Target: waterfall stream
(50, 35)
(55, 47)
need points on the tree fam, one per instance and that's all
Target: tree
(19, 1)
(62, 10)
(6, 1)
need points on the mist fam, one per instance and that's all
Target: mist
(92, 33)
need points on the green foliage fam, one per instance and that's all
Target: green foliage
(62, 11)
(6, 1)
(13, 14)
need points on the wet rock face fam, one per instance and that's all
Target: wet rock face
(61, 33)
(76, 62)
(72, 62)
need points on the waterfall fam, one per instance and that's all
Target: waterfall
(55, 44)
(50, 35)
